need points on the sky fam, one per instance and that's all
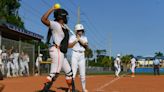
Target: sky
(120, 26)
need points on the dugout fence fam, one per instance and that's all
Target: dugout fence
(20, 46)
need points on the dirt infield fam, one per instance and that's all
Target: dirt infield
(95, 83)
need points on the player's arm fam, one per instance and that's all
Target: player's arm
(83, 43)
(70, 45)
(44, 18)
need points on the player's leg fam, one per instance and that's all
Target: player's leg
(8, 69)
(27, 68)
(82, 70)
(21, 68)
(16, 66)
(158, 70)
(133, 70)
(74, 63)
(17, 69)
(1, 75)
(119, 70)
(57, 60)
(154, 69)
(13, 69)
(3, 68)
(68, 72)
(116, 71)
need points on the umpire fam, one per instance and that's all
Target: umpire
(156, 64)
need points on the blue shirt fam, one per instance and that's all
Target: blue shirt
(156, 62)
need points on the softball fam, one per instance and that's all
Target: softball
(57, 6)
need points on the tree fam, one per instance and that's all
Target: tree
(126, 61)
(88, 54)
(158, 54)
(106, 62)
(100, 52)
(9, 12)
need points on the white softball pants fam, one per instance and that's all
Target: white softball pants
(59, 62)
(117, 70)
(133, 68)
(78, 61)
(10, 64)
(16, 66)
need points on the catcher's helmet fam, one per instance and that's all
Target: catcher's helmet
(61, 14)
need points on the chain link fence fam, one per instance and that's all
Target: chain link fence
(19, 46)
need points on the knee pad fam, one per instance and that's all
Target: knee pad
(69, 75)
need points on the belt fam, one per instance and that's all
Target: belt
(55, 46)
(78, 51)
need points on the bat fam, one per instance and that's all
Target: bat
(73, 85)
(69, 29)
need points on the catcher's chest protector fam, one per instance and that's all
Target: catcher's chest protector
(64, 42)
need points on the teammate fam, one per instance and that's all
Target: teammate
(79, 43)
(37, 64)
(1, 75)
(60, 37)
(133, 65)
(26, 61)
(117, 65)
(15, 61)
(4, 62)
(10, 64)
(21, 61)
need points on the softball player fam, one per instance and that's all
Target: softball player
(60, 37)
(1, 64)
(15, 61)
(79, 43)
(26, 60)
(21, 61)
(37, 64)
(133, 65)
(1, 59)
(4, 63)
(10, 64)
(117, 65)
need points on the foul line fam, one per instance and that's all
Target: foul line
(109, 83)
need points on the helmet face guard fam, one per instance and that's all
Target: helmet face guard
(80, 31)
(61, 14)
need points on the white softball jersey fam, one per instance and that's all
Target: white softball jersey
(77, 46)
(57, 32)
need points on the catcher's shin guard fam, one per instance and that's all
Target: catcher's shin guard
(72, 84)
(47, 86)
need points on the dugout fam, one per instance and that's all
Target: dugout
(18, 38)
